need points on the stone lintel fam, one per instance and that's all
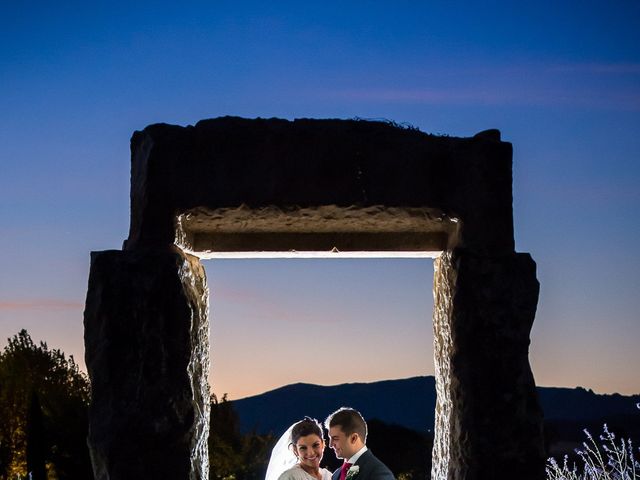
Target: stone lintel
(223, 163)
(328, 230)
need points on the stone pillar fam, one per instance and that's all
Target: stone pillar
(488, 420)
(147, 353)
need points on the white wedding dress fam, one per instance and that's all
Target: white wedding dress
(297, 473)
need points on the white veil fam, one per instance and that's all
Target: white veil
(282, 457)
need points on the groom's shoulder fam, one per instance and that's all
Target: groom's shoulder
(336, 474)
(376, 468)
(369, 457)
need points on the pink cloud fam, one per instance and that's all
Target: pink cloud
(264, 305)
(39, 304)
(591, 85)
(628, 101)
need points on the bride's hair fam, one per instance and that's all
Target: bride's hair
(284, 454)
(307, 426)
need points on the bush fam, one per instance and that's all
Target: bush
(611, 460)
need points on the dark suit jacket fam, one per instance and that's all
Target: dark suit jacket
(370, 469)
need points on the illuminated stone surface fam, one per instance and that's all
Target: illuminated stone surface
(147, 353)
(488, 420)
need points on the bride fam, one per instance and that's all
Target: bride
(298, 453)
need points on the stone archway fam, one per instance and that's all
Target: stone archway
(333, 187)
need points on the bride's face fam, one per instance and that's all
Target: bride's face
(309, 450)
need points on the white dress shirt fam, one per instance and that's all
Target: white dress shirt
(352, 460)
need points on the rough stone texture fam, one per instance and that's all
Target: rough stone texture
(327, 228)
(224, 163)
(147, 353)
(488, 420)
(444, 280)
(232, 184)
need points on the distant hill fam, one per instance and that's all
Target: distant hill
(580, 404)
(410, 403)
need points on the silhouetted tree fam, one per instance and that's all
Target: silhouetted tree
(406, 452)
(63, 396)
(225, 441)
(36, 449)
(256, 451)
(231, 454)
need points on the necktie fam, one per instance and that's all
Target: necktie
(343, 470)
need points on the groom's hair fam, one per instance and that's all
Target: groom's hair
(349, 420)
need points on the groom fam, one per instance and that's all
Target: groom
(347, 437)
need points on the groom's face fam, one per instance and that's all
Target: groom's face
(343, 445)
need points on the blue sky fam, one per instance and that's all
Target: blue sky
(561, 80)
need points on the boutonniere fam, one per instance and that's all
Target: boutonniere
(352, 472)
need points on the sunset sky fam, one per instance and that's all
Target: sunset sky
(561, 80)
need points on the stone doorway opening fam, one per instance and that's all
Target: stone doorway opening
(276, 309)
(276, 322)
(336, 187)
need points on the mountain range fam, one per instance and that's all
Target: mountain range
(410, 403)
